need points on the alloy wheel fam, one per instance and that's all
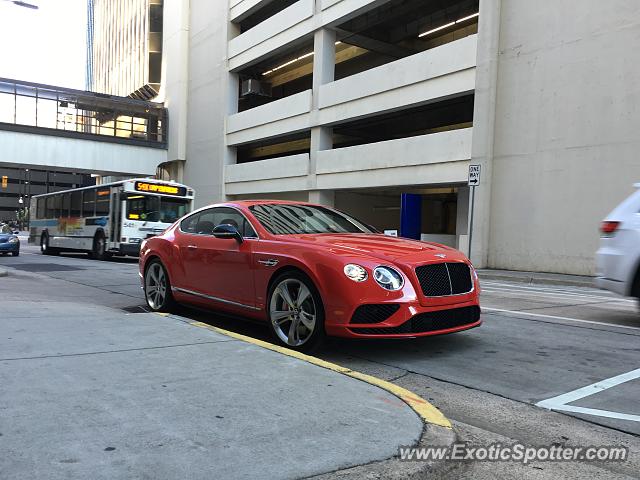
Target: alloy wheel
(293, 312)
(155, 286)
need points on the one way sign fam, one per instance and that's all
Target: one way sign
(474, 175)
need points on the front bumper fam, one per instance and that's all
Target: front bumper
(9, 247)
(130, 249)
(412, 320)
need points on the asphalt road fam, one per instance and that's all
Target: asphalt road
(538, 345)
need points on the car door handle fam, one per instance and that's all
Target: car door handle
(192, 247)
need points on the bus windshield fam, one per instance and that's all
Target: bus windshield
(151, 208)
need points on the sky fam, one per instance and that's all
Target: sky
(47, 45)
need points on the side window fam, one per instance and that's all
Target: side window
(41, 202)
(57, 205)
(89, 203)
(204, 222)
(102, 202)
(50, 207)
(66, 201)
(230, 216)
(188, 225)
(76, 204)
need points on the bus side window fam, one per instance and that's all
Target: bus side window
(89, 203)
(57, 204)
(40, 209)
(49, 210)
(76, 204)
(66, 201)
(102, 202)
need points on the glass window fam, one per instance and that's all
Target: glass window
(40, 209)
(143, 207)
(171, 209)
(66, 202)
(282, 219)
(50, 210)
(76, 204)
(102, 201)
(5, 229)
(57, 205)
(188, 225)
(89, 203)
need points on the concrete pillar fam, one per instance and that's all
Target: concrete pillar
(323, 197)
(321, 137)
(484, 125)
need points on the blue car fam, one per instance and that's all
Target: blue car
(9, 242)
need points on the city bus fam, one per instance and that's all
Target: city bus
(108, 219)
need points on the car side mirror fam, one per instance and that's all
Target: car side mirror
(227, 231)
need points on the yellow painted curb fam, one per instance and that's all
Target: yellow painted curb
(424, 409)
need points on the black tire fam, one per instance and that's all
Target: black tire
(15, 254)
(45, 249)
(157, 291)
(99, 250)
(301, 312)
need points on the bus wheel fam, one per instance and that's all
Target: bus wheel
(45, 249)
(99, 251)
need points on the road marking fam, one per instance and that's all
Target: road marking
(555, 317)
(561, 402)
(424, 409)
(556, 291)
(551, 293)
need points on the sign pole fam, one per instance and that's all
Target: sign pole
(473, 201)
(473, 182)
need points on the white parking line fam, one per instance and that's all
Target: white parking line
(555, 317)
(560, 402)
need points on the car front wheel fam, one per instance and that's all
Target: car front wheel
(296, 314)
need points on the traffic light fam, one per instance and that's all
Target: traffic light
(5, 181)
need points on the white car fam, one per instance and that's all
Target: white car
(618, 259)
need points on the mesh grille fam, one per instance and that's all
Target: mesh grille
(460, 278)
(429, 322)
(442, 279)
(374, 313)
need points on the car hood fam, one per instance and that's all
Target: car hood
(382, 247)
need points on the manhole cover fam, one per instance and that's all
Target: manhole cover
(43, 267)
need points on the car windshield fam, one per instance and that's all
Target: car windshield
(150, 208)
(282, 219)
(5, 229)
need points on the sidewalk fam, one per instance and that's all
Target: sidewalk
(89, 391)
(535, 277)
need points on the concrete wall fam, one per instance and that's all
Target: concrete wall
(567, 129)
(78, 155)
(209, 88)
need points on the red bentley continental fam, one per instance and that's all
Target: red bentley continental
(309, 271)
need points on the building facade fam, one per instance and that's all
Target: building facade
(124, 47)
(23, 183)
(378, 107)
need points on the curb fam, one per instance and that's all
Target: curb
(437, 429)
(3, 272)
(535, 280)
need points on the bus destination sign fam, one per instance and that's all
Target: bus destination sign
(160, 188)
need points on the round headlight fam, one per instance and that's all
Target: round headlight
(355, 272)
(388, 278)
(14, 240)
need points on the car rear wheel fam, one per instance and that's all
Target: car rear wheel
(157, 289)
(296, 314)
